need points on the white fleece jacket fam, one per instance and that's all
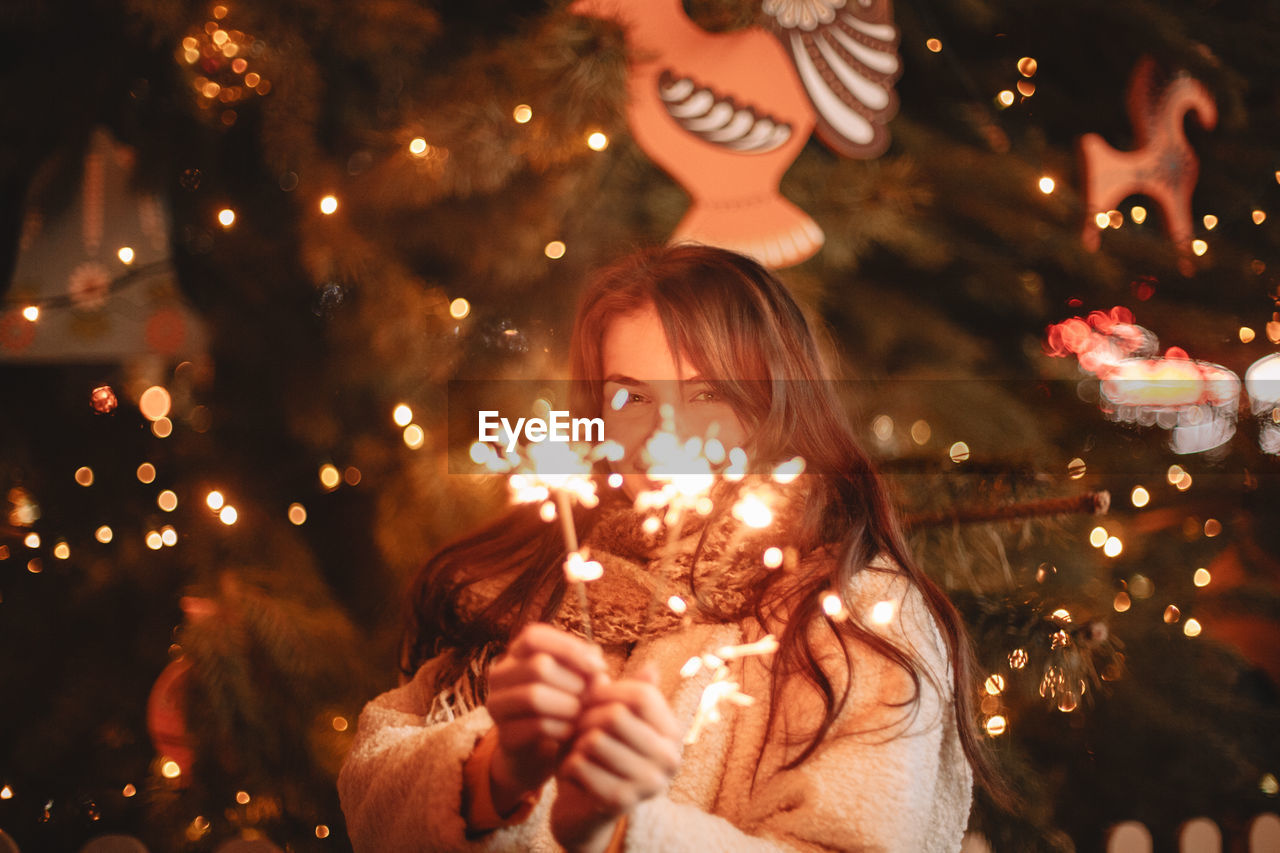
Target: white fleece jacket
(884, 778)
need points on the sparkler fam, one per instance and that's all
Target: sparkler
(556, 475)
(721, 689)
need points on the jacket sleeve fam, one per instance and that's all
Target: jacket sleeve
(884, 778)
(401, 783)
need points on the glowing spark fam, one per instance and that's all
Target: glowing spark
(882, 612)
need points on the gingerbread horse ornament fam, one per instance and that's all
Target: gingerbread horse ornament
(726, 114)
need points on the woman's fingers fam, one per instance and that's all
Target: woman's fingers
(648, 775)
(613, 793)
(569, 651)
(617, 722)
(642, 698)
(533, 699)
(539, 667)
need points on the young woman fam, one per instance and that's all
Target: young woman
(516, 733)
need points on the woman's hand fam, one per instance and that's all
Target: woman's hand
(536, 693)
(626, 750)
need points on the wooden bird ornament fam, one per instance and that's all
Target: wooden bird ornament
(1163, 166)
(725, 114)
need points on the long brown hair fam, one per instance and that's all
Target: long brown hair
(738, 325)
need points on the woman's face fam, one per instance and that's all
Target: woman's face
(641, 379)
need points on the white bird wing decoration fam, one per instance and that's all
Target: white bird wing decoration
(718, 118)
(846, 54)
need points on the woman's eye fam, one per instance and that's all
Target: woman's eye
(706, 397)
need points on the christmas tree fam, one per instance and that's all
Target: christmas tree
(225, 450)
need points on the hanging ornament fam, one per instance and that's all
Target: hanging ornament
(103, 399)
(726, 114)
(1262, 380)
(1195, 400)
(1163, 166)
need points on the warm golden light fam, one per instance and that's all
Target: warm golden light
(103, 534)
(995, 684)
(882, 427)
(959, 452)
(1113, 546)
(418, 147)
(226, 218)
(32, 540)
(882, 612)
(154, 403)
(129, 790)
(167, 500)
(169, 769)
(1259, 216)
(162, 427)
(31, 313)
(35, 566)
(921, 432)
(934, 45)
(1115, 218)
(1102, 220)
(6, 793)
(1269, 785)
(322, 831)
(125, 254)
(1098, 537)
(84, 476)
(168, 535)
(996, 726)
(1018, 658)
(351, 476)
(329, 476)
(597, 141)
(414, 437)
(615, 480)
(1246, 334)
(297, 514)
(402, 415)
(1138, 214)
(1061, 614)
(459, 308)
(1212, 527)
(1122, 602)
(1026, 88)
(242, 797)
(1047, 184)
(1027, 66)
(1199, 247)
(772, 558)
(328, 205)
(62, 550)
(340, 724)
(554, 250)
(228, 515)
(1077, 468)
(1174, 474)
(214, 500)
(1172, 614)
(1140, 496)
(677, 604)
(522, 114)
(1210, 222)
(1201, 577)
(1005, 98)
(154, 540)
(833, 606)
(1191, 628)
